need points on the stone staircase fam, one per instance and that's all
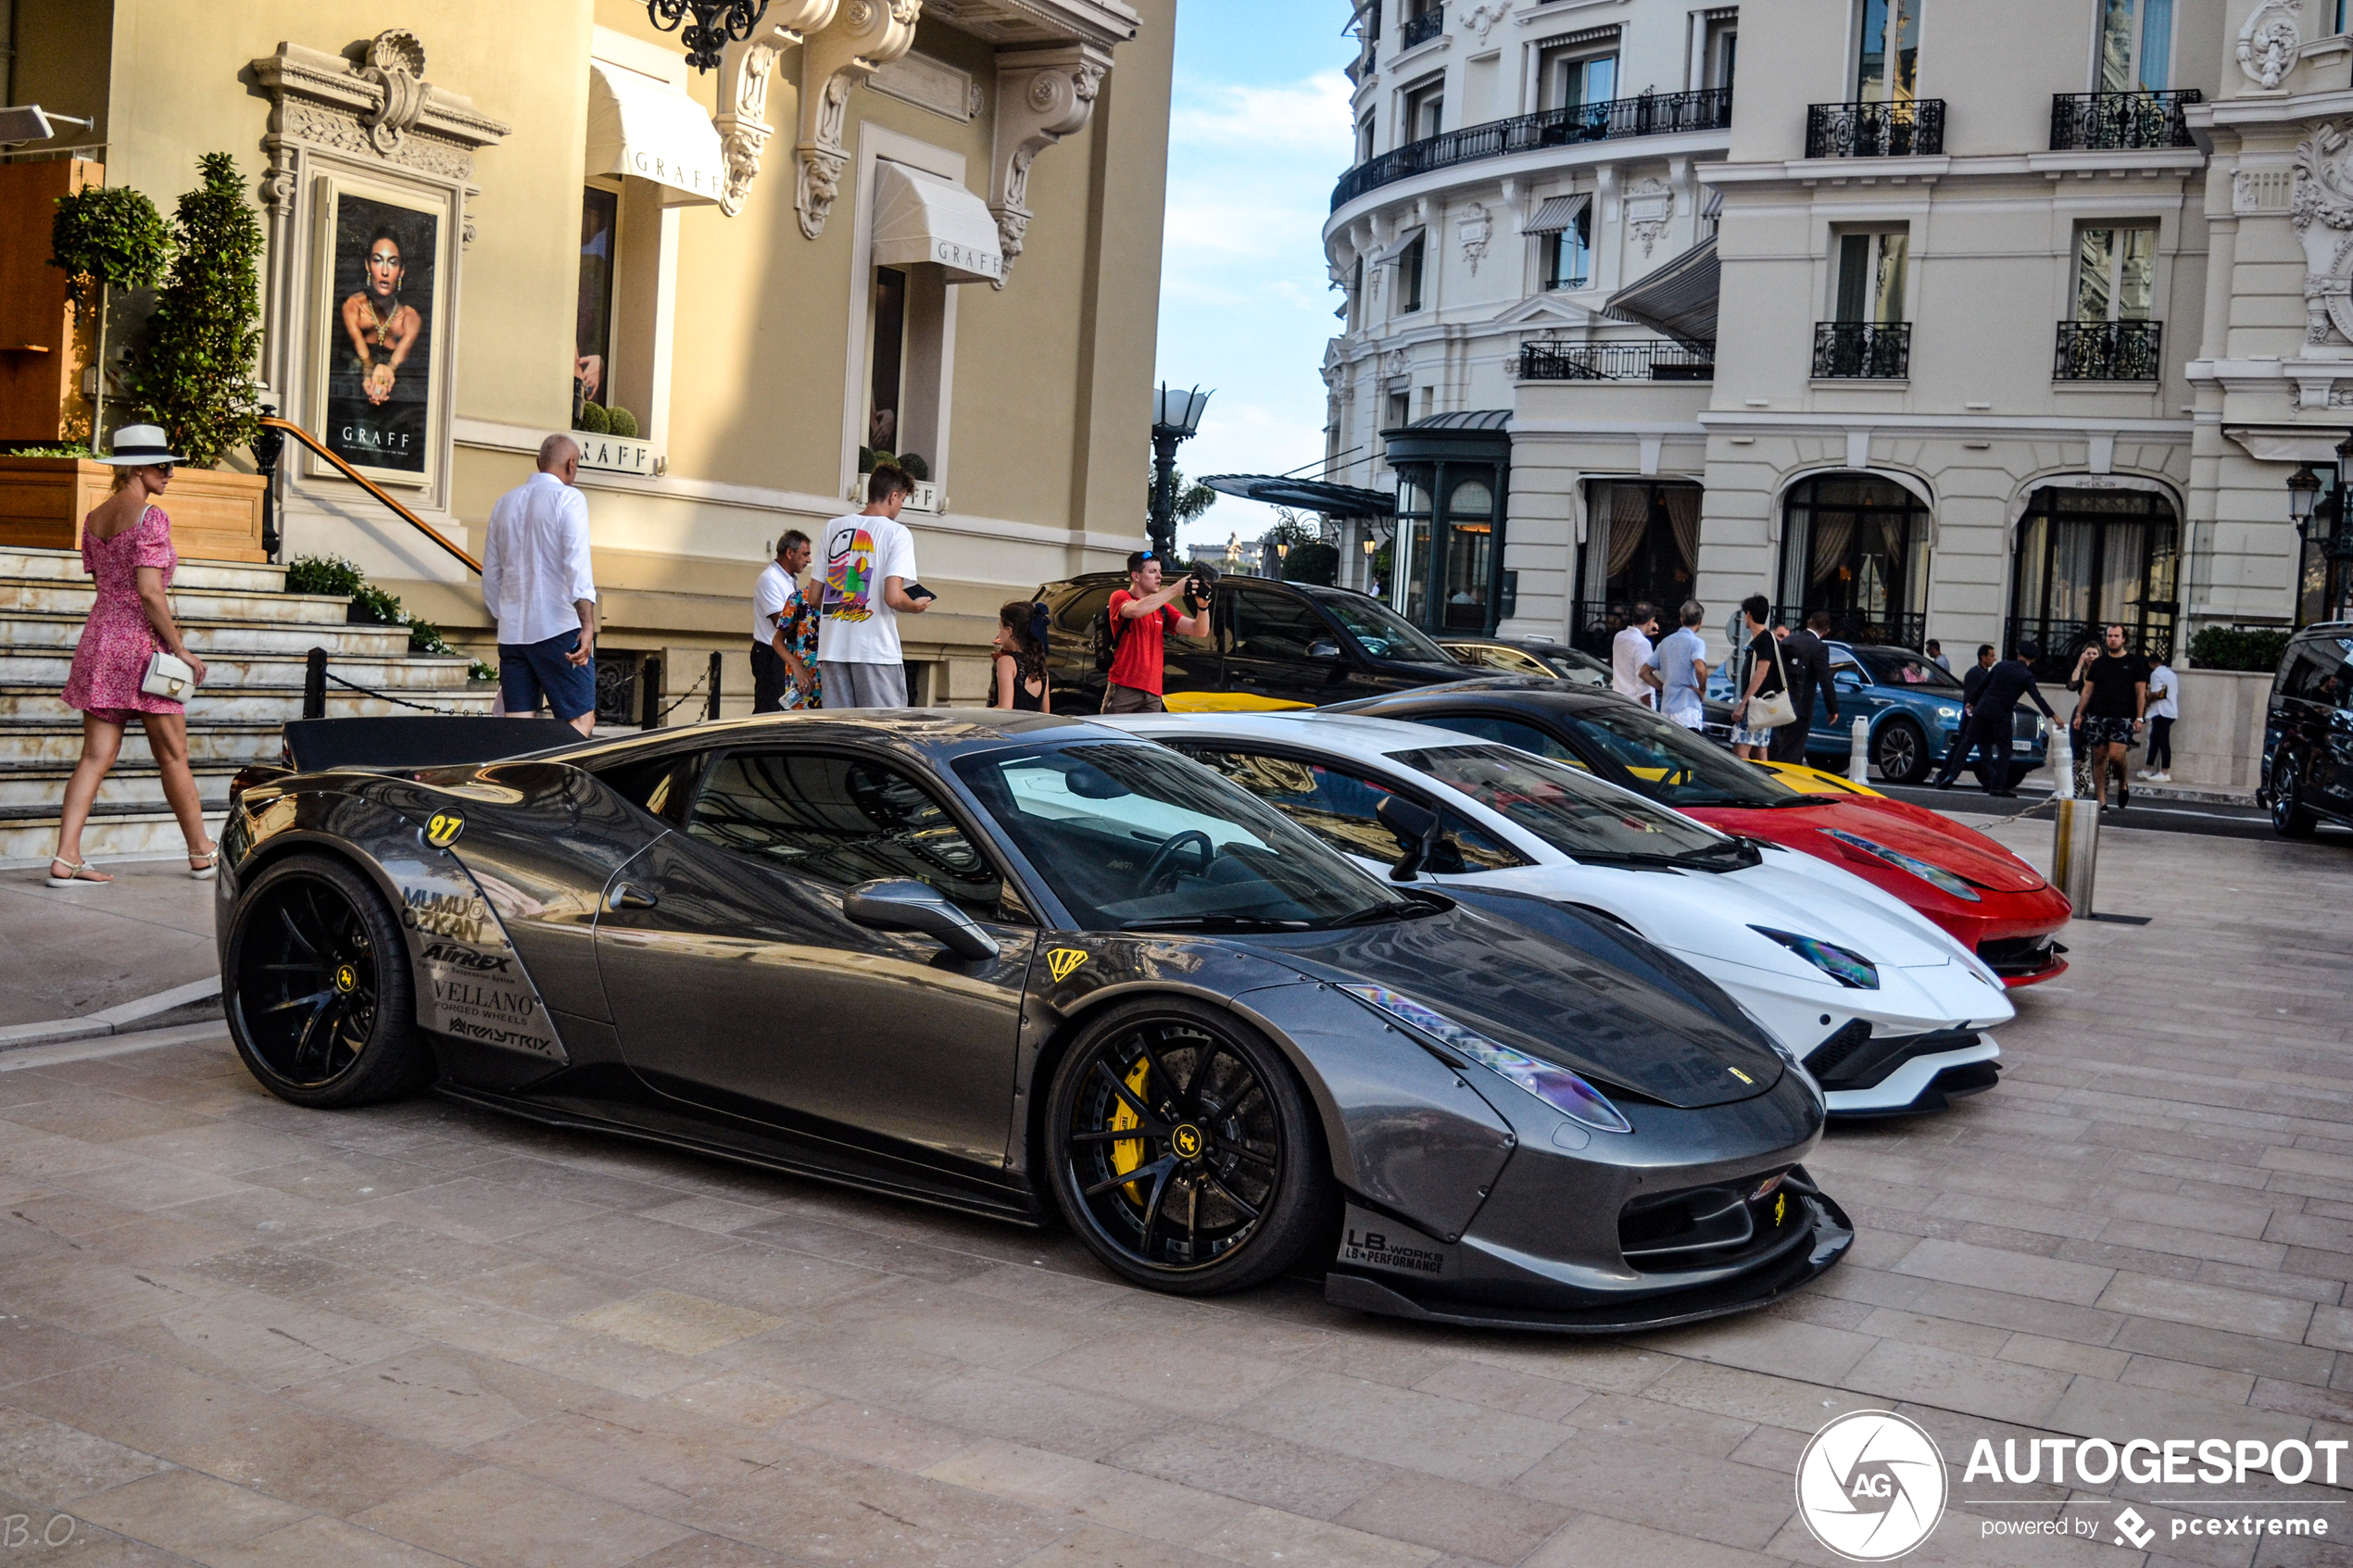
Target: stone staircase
(255, 637)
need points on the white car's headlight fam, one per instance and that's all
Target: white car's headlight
(1935, 877)
(1556, 1087)
(1844, 965)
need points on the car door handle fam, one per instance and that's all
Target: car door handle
(625, 897)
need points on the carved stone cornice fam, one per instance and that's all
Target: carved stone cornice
(1043, 96)
(383, 110)
(745, 70)
(864, 36)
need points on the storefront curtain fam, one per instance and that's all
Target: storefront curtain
(1629, 518)
(1832, 532)
(1682, 515)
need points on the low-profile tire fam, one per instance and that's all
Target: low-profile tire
(1900, 752)
(2290, 817)
(1226, 1180)
(317, 987)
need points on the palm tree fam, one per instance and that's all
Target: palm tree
(1192, 498)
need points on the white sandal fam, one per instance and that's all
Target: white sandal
(211, 859)
(75, 870)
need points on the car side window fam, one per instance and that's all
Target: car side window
(2323, 673)
(1505, 731)
(661, 786)
(1272, 625)
(1341, 808)
(1079, 615)
(841, 820)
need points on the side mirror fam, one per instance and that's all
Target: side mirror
(1846, 680)
(1416, 827)
(1323, 648)
(902, 904)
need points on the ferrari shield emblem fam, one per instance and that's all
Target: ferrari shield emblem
(443, 827)
(1741, 1075)
(1061, 960)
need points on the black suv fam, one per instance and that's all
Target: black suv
(2308, 734)
(1292, 641)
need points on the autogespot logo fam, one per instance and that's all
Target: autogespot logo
(1870, 1486)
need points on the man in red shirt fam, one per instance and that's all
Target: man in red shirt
(1141, 616)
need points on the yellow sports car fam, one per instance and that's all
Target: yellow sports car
(1814, 781)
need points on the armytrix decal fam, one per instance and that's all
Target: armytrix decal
(1373, 1249)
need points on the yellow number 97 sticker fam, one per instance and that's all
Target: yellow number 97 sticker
(443, 828)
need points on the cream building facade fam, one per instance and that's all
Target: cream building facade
(1972, 320)
(925, 226)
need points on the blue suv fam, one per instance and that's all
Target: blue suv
(1914, 707)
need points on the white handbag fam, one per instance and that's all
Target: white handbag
(168, 677)
(1772, 711)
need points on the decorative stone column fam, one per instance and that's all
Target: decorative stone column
(1043, 96)
(864, 36)
(745, 70)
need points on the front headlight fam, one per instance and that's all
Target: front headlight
(1935, 877)
(1946, 711)
(1847, 967)
(1556, 1087)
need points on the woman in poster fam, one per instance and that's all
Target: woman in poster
(382, 328)
(381, 370)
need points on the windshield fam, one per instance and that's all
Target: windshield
(1575, 664)
(1893, 667)
(1135, 836)
(1576, 814)
(1383, 631)
(1671, 764)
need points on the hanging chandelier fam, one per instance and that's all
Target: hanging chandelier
(716, 24)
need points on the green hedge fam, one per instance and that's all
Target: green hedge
(1312, 562)
(370, 606)
(2256, 648)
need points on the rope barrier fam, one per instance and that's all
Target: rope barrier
(683, 700)
(388, 697)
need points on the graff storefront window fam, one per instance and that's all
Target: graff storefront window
(591, 338)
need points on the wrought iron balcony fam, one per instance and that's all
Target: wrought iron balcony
(1862, 350)
(2148, 631)
(1658, 359)
(1896, 130)
(2109, 351)
(1423, 28)
(1652, 114)
(1879, 628)
(2110, 122)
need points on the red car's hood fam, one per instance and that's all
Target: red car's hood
(1918, 832)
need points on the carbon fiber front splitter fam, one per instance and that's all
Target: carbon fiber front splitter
(1829, 1236)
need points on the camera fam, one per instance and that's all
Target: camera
(1200, 584)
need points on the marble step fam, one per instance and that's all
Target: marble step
(39, 787)
(272, 702)
(235, 670)
(60, 741)
(233, 576)
(48, 597)
(115, 832)
(30, 631)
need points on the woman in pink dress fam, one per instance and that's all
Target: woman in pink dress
(126, 545)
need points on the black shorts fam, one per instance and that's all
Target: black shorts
(2106, 731)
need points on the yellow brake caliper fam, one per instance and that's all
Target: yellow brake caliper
(1128, 1153)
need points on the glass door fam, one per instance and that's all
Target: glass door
(1470, 533)
(2136, 45)
(1887, 55)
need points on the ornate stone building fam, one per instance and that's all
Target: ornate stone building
(925, 227)
(1966, 319)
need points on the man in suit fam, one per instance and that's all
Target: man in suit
(1973, 684)
(1998, 702)
(1808, 663)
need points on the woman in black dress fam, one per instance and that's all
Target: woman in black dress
(1018, 663)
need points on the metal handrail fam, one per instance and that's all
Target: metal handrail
(287, 427)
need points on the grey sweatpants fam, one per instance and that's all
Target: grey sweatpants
(863, 686)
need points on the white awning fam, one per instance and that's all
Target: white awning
(921, 218)
(648, 129)
(1395, 250)
(1558, 214)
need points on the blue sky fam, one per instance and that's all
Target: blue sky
(1258, 134)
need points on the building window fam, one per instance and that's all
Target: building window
(1871, 276)
(592, 334)
(2115, 273)
(1722, 56)
(2136, 45)
(1364, 129)
(1426, 111)
(1356, 296)
(1856, 546)
(2087, 557)
(1568, 254)
(888, 359)
(1642, 546)
(907, 309)
(1887, 53)
(1573, 81)
(1409, 276)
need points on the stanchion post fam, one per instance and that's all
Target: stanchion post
(649, 693)
(314, 684)
(2075, 851)
(714, 686)
(2062, 764)
(1859, 753)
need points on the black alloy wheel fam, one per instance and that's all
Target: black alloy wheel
(320, 1001)
(1184, 1152)
(1900, 750)
(2290, 817)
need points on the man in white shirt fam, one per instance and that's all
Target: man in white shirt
(537, 583)
(1678, 669)
(771, 598)
(870, 566)
(1629, 651)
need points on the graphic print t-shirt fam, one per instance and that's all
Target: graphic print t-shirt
(854, 625)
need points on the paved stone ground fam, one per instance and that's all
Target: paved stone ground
(237, 1333)
(66, 952)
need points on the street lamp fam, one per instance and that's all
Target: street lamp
(717, 24)
(2307, 509)
(1176, 417)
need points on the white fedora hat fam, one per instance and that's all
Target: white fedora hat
(141, 446)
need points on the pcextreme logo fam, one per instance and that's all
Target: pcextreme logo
(1870, 1486)
(1061, 960)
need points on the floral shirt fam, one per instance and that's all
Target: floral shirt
(799, 623)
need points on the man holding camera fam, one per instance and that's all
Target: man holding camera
(1141, 616)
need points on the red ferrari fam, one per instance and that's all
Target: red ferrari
(1980, 892)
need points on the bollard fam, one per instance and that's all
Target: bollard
(649, 693)
(2075, 852)
(1859, 757)
(314, 684)
(2063, 750)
